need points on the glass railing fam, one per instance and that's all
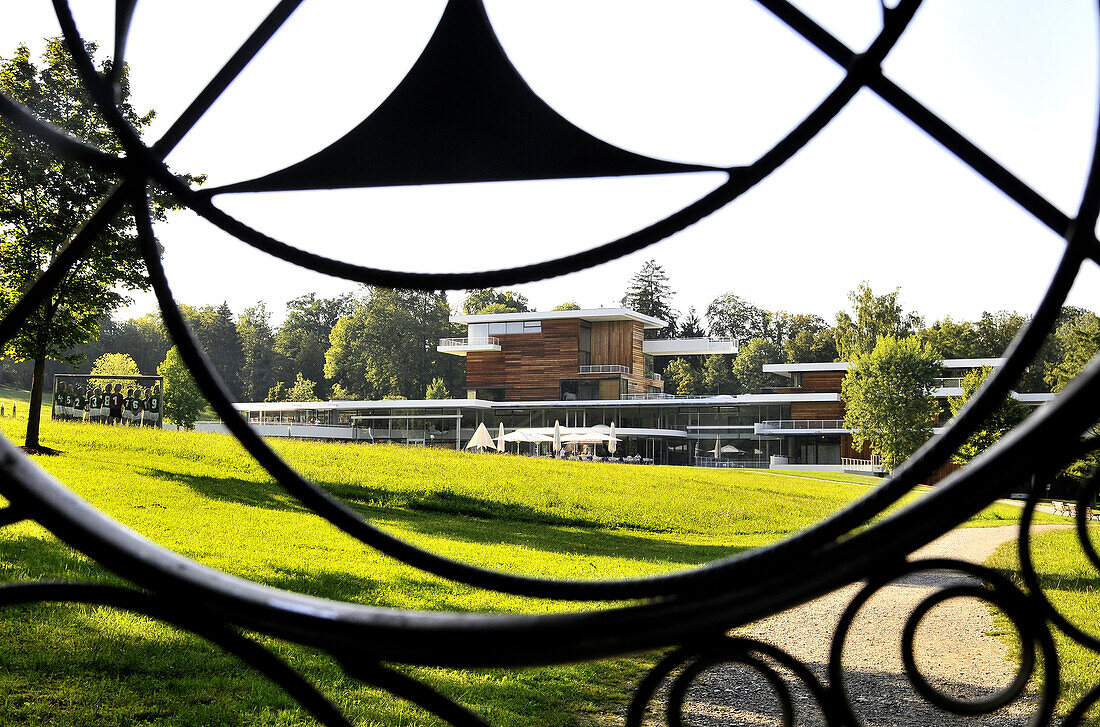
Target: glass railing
(469, 342)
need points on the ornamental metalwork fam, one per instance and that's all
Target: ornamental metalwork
(465, 72)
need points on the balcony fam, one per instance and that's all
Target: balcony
(801, 426)
(462, 346)
(689, 346)
(605, 369)
(952, 383)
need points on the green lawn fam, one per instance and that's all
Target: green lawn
(1073, 587)
(200, 495)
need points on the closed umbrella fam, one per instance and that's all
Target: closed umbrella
(481, 439)
(557, 436)
(718, 448)
(500, 438)
(612, 444)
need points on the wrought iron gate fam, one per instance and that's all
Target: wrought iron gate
(689, 612)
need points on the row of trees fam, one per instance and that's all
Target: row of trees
(778, 336)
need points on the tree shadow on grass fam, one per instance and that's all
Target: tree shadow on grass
(463, 518)
(565, 540)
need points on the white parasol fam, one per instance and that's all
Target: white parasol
(481, 439)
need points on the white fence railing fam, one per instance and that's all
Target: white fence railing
(753, 464)
(605, 369)
(465, 342)
(861, 465)
(800, 424)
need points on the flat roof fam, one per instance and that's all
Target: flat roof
(709, 400)
(586, 314)
(950, 363)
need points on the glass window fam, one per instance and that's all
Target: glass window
(496, 329)
(478, 330)
(585, 344)
(514, 327)
(532, 326)
(569, 389)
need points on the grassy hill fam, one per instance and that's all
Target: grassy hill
(200, 495)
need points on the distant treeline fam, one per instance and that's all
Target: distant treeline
(381, 343)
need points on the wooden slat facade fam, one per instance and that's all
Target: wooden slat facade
(530, 366)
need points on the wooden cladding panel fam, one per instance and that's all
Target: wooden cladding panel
(817, 410)
(818, 381)
(530, 365)
(613, 342)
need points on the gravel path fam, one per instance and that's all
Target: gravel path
(955, 651)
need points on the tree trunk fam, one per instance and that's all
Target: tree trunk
(34, 414)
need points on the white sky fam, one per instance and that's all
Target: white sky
(703, 81)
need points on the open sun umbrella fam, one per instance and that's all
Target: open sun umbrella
(481, 439)
(730, 449)
(500, 438)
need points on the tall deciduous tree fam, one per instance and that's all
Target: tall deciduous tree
(996, 425)
(386, 347)
(952, 339)
(683, 378)
(259, 358)
(733, 316)
(489, 300)
(216, 330)
(648, 293)
(42, 197)
(718, 375)
(183, 402)
(809, 339)
(114, 364)
(888, 395)
(303, 338)
(1079, 341)
(872, 317)
(748, 367)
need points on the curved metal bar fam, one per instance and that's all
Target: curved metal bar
(189, 619)
(225, 76)
(415, 691)
(60, 141)
(124, 15)
(464, 639)
(1087, 702)
(1002, 697)
(927, 121)
(10, 515)
(1031, 578)
(68, 256)
(1009, 598)
(862, 67)
(680, 685)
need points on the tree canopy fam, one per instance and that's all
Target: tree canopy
(183, 402)
(887, 395)
(386, 347)
(872, 317)
(488, 300)
(43, 196)
(748, 367)
(1008, 415)
(648, 293)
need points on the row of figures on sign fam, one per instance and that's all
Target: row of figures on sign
(139, 407)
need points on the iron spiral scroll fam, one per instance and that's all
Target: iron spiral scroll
(690, 612)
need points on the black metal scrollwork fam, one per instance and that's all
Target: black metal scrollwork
(688, 611)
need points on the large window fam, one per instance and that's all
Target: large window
(585, 346)
(591, 389)
(481, 330)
